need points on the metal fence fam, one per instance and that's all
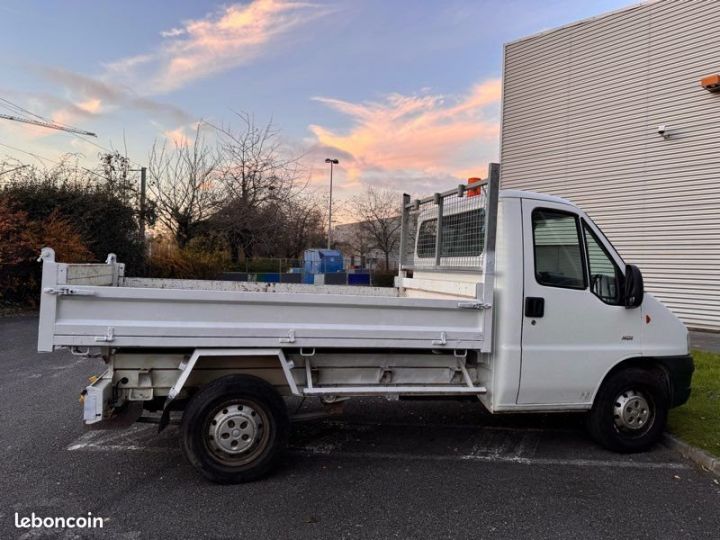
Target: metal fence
(280, 270)
(450, 230)
(267, 264)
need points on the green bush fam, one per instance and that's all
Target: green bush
(168, 261)
(82, 220)
(273, 265)
(383, 279)
(105, 223)
(20, 242)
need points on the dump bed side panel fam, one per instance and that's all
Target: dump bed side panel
(141, 317)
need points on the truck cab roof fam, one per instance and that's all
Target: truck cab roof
(523, 194)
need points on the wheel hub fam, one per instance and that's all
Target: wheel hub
(632, 410)
(235, 429)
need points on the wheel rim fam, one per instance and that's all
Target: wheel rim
(237, 432)
(633, 412)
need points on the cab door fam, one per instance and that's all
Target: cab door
(574, 326)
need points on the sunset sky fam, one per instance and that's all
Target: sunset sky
(404, 93)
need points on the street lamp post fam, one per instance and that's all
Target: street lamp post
(332, 162)
(143, 210)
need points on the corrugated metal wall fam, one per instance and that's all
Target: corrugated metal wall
(581, 109)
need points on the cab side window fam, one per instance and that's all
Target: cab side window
(605, 276)
(558, 249)
(462, 235)
(426, 239)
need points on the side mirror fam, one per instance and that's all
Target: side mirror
(634, 288)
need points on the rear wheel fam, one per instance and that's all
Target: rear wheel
(234, 429)
(630, 410)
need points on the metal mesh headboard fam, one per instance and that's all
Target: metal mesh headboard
(450, 230)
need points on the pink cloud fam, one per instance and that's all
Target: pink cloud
(234, 35)
(177, 136)
(413, 137)
(228, 38)
(76, 112)
(91, 106)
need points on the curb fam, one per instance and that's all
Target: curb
(697, 456)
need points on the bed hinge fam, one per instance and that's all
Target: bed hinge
(68, 291)
(108, 337)
(290, 337)
(473, 305)
(442, 340)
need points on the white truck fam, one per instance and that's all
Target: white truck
(514, 297)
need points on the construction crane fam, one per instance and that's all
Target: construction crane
(48, 124)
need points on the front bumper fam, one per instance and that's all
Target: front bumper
(680, 370)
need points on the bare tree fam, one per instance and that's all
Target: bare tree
(183, 185)
(378, 213)
(360, 243)
(115, 168)
(302, 225)
(259, 179)
(352, 239)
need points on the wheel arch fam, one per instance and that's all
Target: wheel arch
(648, 363)
(198, 354)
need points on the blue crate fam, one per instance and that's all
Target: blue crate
(358, 279)
(321, 261)
(268, 277)
(291, 277)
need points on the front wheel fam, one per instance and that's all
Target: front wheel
(630, 411)
(234, 428)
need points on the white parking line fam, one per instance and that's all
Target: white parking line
(130, 439)
(464, 427)
(497, 458)
(493, 450)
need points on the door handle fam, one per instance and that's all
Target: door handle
(534, 306)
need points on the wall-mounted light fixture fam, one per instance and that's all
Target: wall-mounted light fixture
(711, 83)
(664, 131)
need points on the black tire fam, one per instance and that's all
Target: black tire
(249, 432)
(618, 420)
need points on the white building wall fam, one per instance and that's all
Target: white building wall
(581, 109)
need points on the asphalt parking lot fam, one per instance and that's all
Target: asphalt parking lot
(381, 470)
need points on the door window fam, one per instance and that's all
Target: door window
(557, 248)
(605, 276)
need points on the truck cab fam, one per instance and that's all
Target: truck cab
(565, 316)
(573, 328)
(568, 311)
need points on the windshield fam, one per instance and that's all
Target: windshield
(607, 241)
